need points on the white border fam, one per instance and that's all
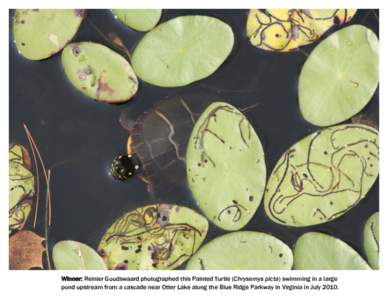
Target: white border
(23, 284)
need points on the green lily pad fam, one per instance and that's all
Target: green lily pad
(225, 166)
(182, 50)
(138, 19)
(159, 236)
(340, 76)
(72, 255)
(41, 33)
(371, 240)
(323, 175)
(21, 179)
(99, 72)
(243, 250)
(318, 251)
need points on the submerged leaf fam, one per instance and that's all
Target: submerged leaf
(138, 19)
(72, 255)
(159, 236)
(21, 180)
(285, 30)
(225, 166)
(243, 250)
(318, 251)
(18, 215)
(99, 72)
(340, 76)
(40, 33)
(182, 50)
(323, 175)
(371, 240)
(25, 251)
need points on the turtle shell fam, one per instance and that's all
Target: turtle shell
(159, 137)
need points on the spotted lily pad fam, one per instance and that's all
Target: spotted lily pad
(225, 166)
(138, 19)
(243, 250)
(21, 179)
(371, 240)
(40, 33)
(159, 236)
(72, 255)
(318, 251)
(285, 30)
(99, 72)
(340, 76)
(182, 50)
(323, 175)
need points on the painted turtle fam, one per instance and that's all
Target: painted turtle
(159, 137)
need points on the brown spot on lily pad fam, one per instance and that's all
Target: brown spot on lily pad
(103, 86)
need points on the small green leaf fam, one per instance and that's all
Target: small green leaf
(323, 175)
(99, 72)
(138, 19)
(318, 251)
(340, 76)
(225, 166)
(371, 240)
(182, 50)
(243, 250)
(40, 33)
(72, 255)
(159, 236)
